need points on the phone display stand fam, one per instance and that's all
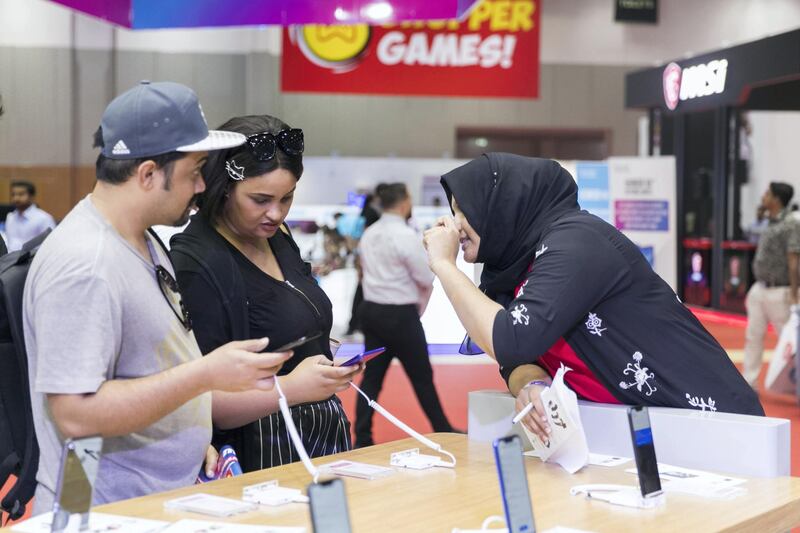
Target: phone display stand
(75, 485)
(623, 495)
(416, 461)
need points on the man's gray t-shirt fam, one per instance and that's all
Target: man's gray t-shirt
(93, 311)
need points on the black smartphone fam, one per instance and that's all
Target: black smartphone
(644, 451)
(514, 484)
(295, 343)
(328, 505)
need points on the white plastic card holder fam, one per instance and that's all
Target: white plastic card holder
(622, 495)
(357, 470)
(270, 493)
(416, 461)
(209, 505)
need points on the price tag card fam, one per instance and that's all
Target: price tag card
(210, 505)
(269, 493)
(357, 470)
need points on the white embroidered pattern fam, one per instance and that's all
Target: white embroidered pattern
(519, 315)
(540, 251)
(641, 376)
(694, 401)
(595, 325)
(522, 289)
(234, 171)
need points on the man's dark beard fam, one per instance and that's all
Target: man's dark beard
(185, 216)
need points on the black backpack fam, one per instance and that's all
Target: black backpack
(19, 450)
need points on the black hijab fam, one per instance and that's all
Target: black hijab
(509, 200)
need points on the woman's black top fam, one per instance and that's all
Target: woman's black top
(589, 285)
(229, 298)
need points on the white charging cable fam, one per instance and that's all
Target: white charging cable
(403, 426)
(298, 443)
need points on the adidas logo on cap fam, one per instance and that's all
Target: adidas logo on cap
(120, 148)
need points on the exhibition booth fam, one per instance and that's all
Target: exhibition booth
(695, 107)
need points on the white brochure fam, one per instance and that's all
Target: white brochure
(567, 444)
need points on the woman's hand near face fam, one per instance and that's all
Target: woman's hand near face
(316, 379)
(441, 242)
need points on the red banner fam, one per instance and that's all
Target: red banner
(494, 52)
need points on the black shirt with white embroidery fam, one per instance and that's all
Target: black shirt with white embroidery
(641, 342)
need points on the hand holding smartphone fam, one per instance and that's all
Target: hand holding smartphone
(363, 357)
(295, 343)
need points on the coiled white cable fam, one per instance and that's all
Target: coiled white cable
(408, 430)
(298, 443)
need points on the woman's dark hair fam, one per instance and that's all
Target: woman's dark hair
(219, 182)
(390, 194)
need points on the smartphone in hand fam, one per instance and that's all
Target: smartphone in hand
(295, 343)
(363, 357)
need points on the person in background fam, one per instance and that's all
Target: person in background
(397, 286)
(775, 266)
(243, 276)
(370, 214)
(27, 220)
(562, 286)
(111, 350)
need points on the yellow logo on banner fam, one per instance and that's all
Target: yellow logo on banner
(334, 44)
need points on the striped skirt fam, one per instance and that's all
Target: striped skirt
(323, 428)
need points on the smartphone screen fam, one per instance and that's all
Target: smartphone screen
(295, 343)
(644, 450)
(514, 484)
(363, 357)
(329, 507)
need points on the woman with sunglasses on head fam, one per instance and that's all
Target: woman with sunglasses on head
(242, 275)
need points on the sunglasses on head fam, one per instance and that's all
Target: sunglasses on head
(263, 146)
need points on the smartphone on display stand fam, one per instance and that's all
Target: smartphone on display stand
(644, 451)
(328, 505)
(295, 343)
(363, 357)
(514, 484)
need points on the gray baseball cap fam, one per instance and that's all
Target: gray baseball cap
(155, 118)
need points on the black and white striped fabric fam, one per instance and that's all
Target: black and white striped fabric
(323, 428)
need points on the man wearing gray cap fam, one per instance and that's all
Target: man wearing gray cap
(110, 346)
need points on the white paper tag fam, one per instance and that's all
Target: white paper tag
(567, 443)
(357, 470)
(210, 505)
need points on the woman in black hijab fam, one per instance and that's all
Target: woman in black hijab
(561, 286)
